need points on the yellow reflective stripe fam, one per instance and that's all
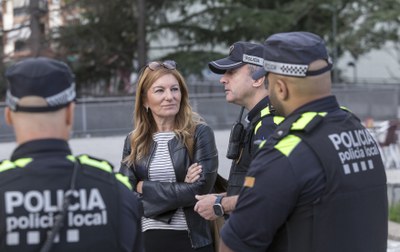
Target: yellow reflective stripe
(257, 127)
(71, 158)
(345, 108)
(305, 119)
(103, 165)
(124, 180)
(22, 162)
(265, 111)
(262, 144)
(6, 165)
(278, 119)
(287, 144)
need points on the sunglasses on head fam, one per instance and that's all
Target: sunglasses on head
(168, 64)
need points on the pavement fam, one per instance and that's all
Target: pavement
(110, 148)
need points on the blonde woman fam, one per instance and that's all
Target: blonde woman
(169, 138)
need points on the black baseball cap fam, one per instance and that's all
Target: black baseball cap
(42, 77)
(291, 53)
(240, 53)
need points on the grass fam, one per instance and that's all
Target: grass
(394, 213)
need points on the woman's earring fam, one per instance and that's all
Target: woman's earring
(147, 109)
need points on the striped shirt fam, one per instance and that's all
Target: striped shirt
(161, 169)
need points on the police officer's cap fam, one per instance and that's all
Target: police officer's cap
(240, 53)
(291, 53)
(41, 77)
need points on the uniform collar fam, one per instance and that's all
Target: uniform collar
(326, 104)
(35, 147)
(257, 109)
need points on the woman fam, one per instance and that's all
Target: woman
(167, 140)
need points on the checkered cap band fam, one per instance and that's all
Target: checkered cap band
(61, 98)
(285, 68)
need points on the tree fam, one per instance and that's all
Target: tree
(353, 26)
(101, 45)
(194, 32)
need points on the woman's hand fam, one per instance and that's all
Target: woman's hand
(193, 173)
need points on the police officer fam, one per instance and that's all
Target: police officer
(318, 184)
(50, 199)
(243, 77)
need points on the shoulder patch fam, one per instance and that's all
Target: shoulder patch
(305, 119)
(124, 180)
(94, 162)
(249, 181)
(287, 144)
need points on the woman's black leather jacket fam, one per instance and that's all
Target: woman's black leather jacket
(161, 199)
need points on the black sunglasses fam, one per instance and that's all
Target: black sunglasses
(168, 64)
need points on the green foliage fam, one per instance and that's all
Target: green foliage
(104, 41)
(101, 43)
(394, 213)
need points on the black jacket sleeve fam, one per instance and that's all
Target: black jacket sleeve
(124, 168)
(161, 197)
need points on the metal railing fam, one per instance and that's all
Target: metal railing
(113, 115)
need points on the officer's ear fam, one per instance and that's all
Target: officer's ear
(69, 115)
(259, 82)
(7, 116)
(281, 89)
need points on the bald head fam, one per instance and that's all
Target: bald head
(288, 93)
(32, 126)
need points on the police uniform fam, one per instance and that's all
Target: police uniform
(317, 185)
(103, 215)
(47, 193)
(261, 124)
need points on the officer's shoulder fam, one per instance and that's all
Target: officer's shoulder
(103, 165)
(285, 139)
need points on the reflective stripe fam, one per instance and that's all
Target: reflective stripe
(265, 111)
(257, 127)
(71, 158)
(305, 119)
(22, 162)
(262, 144)
(345, 109)
(103, 165)
(287, 144)
(124, 180)
(6, 165)
(278, 119)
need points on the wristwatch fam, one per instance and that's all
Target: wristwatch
(218, 209)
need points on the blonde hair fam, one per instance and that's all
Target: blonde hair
(144, 125)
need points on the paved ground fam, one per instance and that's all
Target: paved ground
(110, 148)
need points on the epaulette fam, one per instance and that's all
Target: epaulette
(283, 139)
(104, 165)
(19, 163)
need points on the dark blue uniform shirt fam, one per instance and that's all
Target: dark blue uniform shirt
(281, 188)
(261, 123)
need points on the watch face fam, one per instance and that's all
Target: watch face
(218, 210)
